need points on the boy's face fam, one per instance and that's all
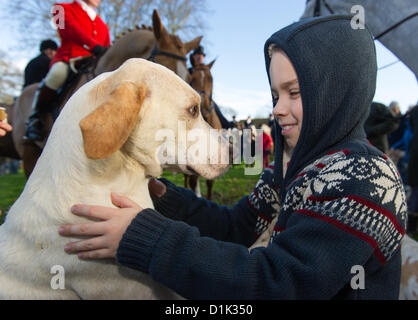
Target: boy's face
(288, 109)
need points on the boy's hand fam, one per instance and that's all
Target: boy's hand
(106, 234)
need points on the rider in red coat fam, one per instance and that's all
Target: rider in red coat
(82, 33)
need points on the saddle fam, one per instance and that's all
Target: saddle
(78, 67)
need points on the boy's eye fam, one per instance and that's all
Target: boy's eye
(294, 93)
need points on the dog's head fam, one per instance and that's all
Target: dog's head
(147, 114)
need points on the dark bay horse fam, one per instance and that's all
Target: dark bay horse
(155, 44)
(202, 82)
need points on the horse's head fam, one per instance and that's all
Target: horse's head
(154, 44)
(202, 82)
(169, 50)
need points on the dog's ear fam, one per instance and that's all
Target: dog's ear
(107, 128)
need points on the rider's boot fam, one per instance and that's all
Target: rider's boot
(42, 103)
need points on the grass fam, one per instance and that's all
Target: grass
(226, 190)
(10, 188)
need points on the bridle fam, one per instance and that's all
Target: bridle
(204, 92)
(155, 52)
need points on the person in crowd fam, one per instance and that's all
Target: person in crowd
(234, 121)
(379, 124)
(196, 57)
(84, 34)
(248, 123)
(329, 189)
(271, 121)
(397, 134)
(399, 141)
(413, 171)
(38, 67)
(267, 144)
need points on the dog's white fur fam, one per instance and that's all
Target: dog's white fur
(29, 241)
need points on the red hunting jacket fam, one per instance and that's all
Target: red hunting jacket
(80, 34)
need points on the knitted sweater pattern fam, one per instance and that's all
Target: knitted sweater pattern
(328, 190)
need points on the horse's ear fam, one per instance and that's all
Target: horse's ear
(210, 65)
(189, 46)
(158, 27)
(107, 128)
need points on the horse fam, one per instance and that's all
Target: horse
(154, 44)
(202, 82)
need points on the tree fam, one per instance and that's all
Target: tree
(183, 17)
(10, 79)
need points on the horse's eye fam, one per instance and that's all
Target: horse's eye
(194, 111)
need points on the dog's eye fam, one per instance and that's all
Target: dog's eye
(194, 111)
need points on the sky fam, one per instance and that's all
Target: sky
(235, 35)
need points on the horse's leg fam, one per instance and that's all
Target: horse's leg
(31, 153)
(209, 184)
(186, 178)
(193, 182)
(194, 185)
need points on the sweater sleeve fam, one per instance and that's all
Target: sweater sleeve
(243, 223)
(312, 258)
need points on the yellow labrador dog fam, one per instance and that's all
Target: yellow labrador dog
(105, 140)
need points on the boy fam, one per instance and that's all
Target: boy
(339, 201)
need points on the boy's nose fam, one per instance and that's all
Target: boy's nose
(279, 110)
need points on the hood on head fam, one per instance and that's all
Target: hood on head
(336, 68)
